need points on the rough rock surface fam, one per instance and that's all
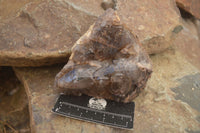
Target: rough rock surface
(188, 41)
(42, 33)
(92, 7)
(156, 110)
(156, 23)
(107, 62)
(14, 115)
(191, 6)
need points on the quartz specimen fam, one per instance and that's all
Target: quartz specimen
(107, 62)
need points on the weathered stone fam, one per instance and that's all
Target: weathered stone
(92, 7)
(107, 62)
(156, 108)
(42, 33)
(189, 87)
(14, 115)
(39, 84)
(191, 6)
(188, 41)
(155, 23)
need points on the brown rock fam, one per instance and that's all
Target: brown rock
(191, 6)
(156, 108)
(92, 7)
(39, 84)
(107, 61)
(42, 33)
(155, 23)
(14, 115)
(188, 41)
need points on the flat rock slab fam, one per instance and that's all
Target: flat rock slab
(156, 110)
(189, 87)
(42, 33)
(188, 41)
(191, 6)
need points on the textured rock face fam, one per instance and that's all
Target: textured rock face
(188, 41)
(42, 33)
(191, 6)
(156, 107)
(156, 23)
(107, 61)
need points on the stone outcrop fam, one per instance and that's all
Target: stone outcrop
(156, 23)
(42, 33)
(156, 108)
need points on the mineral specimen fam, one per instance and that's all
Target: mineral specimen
(107, 62)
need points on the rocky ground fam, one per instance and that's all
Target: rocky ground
(41, 33)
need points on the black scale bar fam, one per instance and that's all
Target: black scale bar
(115, 114)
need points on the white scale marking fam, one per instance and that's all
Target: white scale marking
(91, 109)
(74, 116)
(69, 105)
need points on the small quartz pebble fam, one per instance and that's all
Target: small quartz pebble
(107, 61)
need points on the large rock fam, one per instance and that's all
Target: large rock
(156, 110)
(156, 23)
(42, 33)
(188, 41)
(107, 62)
(191, 6)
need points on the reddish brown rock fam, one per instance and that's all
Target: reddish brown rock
(107, 61)
(39, 85)
(156, 107)
(155, 22)
(188, 41)
(191, 6)
(42, 33)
